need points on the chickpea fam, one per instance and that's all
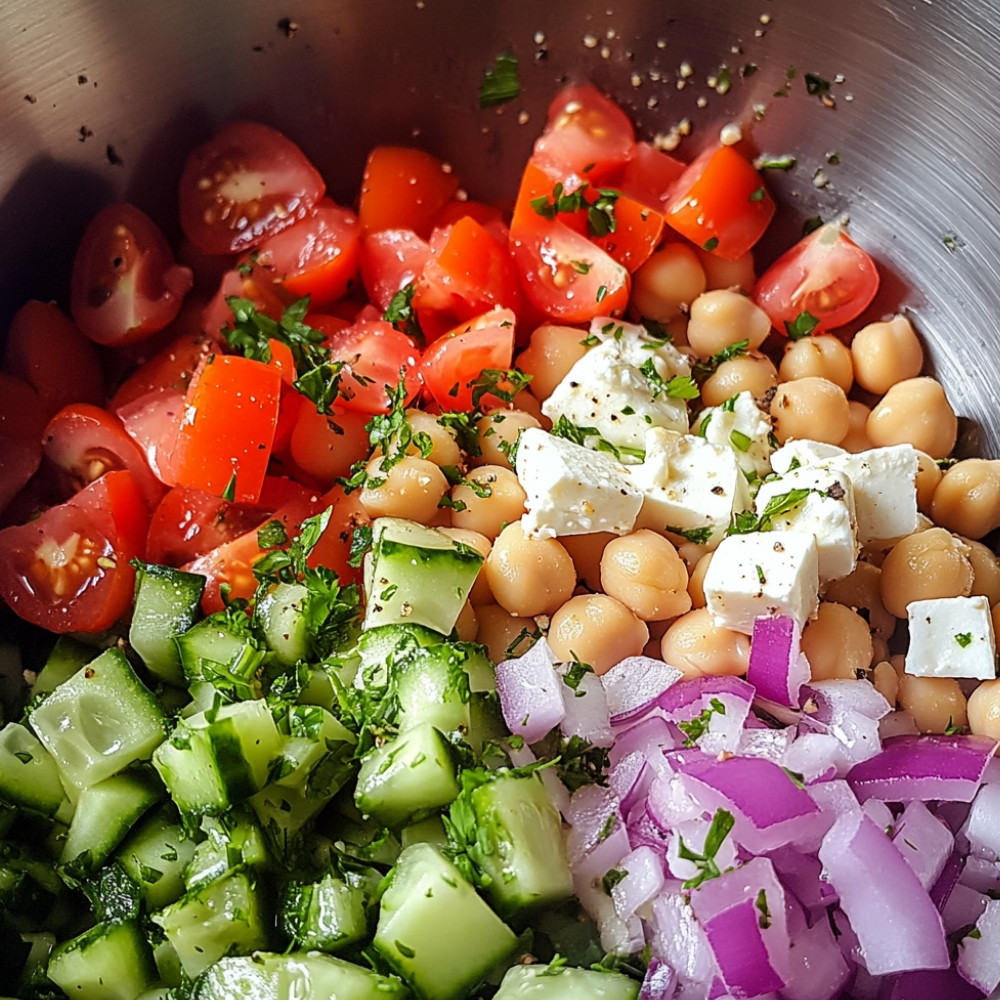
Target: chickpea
(696, 646)
(645, 573)
(696, 582)
(586, 551)
(856, 438)
(551, 352)
(934, 703)
(985, 571)
(736, 274)
(497, 432)
(325, 446)
(967, 499)
(810, 408)
(412, 488)
(885, 353)
(503, 635)
(596, 629)
(837, 643)
(928, 476)
(528, 404)
(752, 372)
(886, 682)
(995, 618)
(672, 278)
(822, 356)
(861, 589)
(529, 576)
(927, 564)
(467, 626)
(880, 649)
(480, 593)
(984, 710)
(915, 411)
(496, 499)
(444, 444)
(721, 317)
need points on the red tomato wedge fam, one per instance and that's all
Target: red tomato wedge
(824, 281)
(391, 260)
(171, 368)
(268, 297)
(125, 283)
(243, 185)
(68, 570)
(22, 420)
(404, 188)
(46, 349)
(720, 203)
(333, 548)
(462, 208)
(83, 442)
(318, 256)
(153, 422)
(637, 232)
(226, 434)
(454, 363)
(650, 176)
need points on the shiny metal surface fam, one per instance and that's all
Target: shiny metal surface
(100, 100)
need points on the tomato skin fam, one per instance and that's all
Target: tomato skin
(825, 274)
(268, 298)
(650, 176)
(390, 260)
(246, 183)
(333, 548)
(22, 420)
(69, 569)
(453, 363)
(720, 203)
(125, 283)
(638, 229)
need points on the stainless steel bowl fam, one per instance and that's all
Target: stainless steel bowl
(101, 100)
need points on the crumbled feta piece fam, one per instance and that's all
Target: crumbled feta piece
(604, 392)
(951, 637)
(826, 512)
(572, 490)
(762, 573)
(635, 345)
(800, 451)
(740, 424)
(691, 487)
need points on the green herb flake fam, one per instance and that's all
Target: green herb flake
(722, 823)
(786, 162)
(698, 536)
(609, 826)
(678, 387)
(802, 326)
(963, 639)
(574, 674)
(696, 727)
(501, 82)
(739, 440)
(23, 756)
(272, 535)
(701, 370)
(504, 383)
(760, 902)
(602, 293)
(229, 493)
(612, 878)
(404, 949)
(757, 195)
(710, 244)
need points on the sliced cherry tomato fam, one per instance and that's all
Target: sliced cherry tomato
(46, 349)
(637, 232)
(319, 256)
(69, 569)
(824, 281)
(245, 184)
(565, 275)
(650, 176)
(374, 354)
(403, 188)
(454, 363)
(125, 283)
(587, 136)
(720, 203)
(83, 442)
(153, 422)
(226, 435)
(537, 184)
(268, 298)
(391, 260)
(461, 208)
(333, 548)
(22, 420)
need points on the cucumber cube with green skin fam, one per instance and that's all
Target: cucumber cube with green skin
(285, 627)
(64, 660)
(408, 777)
(99, 721)
(418, 575)
(29, 777)
(328, 915)
(425, 831)
(155, 855)
(542, 982)
(222, 917)
(234, 840)
(432, 686)
(296, 976)
(110, 961)
(435, 930)
(215, 654)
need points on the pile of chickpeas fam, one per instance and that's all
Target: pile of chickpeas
(600, 597)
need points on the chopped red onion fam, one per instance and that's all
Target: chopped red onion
(700, 699)
(777, 668)
(979, 953)
(523, 757)
(694, 833)
(931, 984)
(981, 874)
(801, 875)
(880, 814)
(947, 881)
(816, 756)
(643, 881)
(897, 924)
(924, 767)
(963, 908)
(670, 803)
(924, 841)
(660, 981)
(618, 936)
(586, 710)
(896, 724)
(634, 684)
(818, 967)
(771, 744)
(679, 940)
(530, 693)
(630, 779)
(834, 697)
(982, 827)
(649, 736)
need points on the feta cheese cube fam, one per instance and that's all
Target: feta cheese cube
(572, 490)
(635, 346)
(800, 451)
(604, 392)
(762, 573)
(826, 512)
(690, 487)
(951, 637)
(740, 424)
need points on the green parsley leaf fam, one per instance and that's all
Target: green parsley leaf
(501, 82)
(504, 383)
(758, 194)
(739, 440)
(678, 387)
(786, 162)
(401, 314)
(612, 878)
(702, 369)
(699, 536)
(229, 493)
(722, 823)
(695, 728)
(361, 542)
(964, 639)
(575, 672)
(710, 244)
(802, 326)
(272, 535)
(765, 914)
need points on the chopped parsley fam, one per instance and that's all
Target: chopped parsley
(501, 82)
(695, 728)
(710, 244)
(785, 162)
(699, 536)
(591, 437)
(598, 203)
(504, 383)
(678, 387)
(963, 639)
(701, 370)
(401, 314)
(574, 674)
(747, 521)
(760, 902)
(802, 326)
(722, 823)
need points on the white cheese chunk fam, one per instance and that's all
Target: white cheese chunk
(635, 346)
(740, 424)
(762, 573)
(951, 637)
(804, 452)
(826, 512)
(605, 392)
(572, 490)
(690, 487)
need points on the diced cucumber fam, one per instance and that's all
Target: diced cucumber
(218, 758)
(64, 660)
(111, 961)
(418, 575)
(285, 627)
(540, 982)
(435, 930)
(105, 813)
(233, 840)
(29, 886)
(408, 777)
(215, 652)
(29, 777)
(222, 917)
(425, 831)
(296, 976)
(433, 687)
(99, 721)
(155, 855)
(166, 604)
(513, 834)
(327, 915)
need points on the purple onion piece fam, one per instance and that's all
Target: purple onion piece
(643, 880)
(634, 684)
(585, 710)
(924, 841)
(979, 956)
(530, 693)
(777, 669)
(659, 982)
